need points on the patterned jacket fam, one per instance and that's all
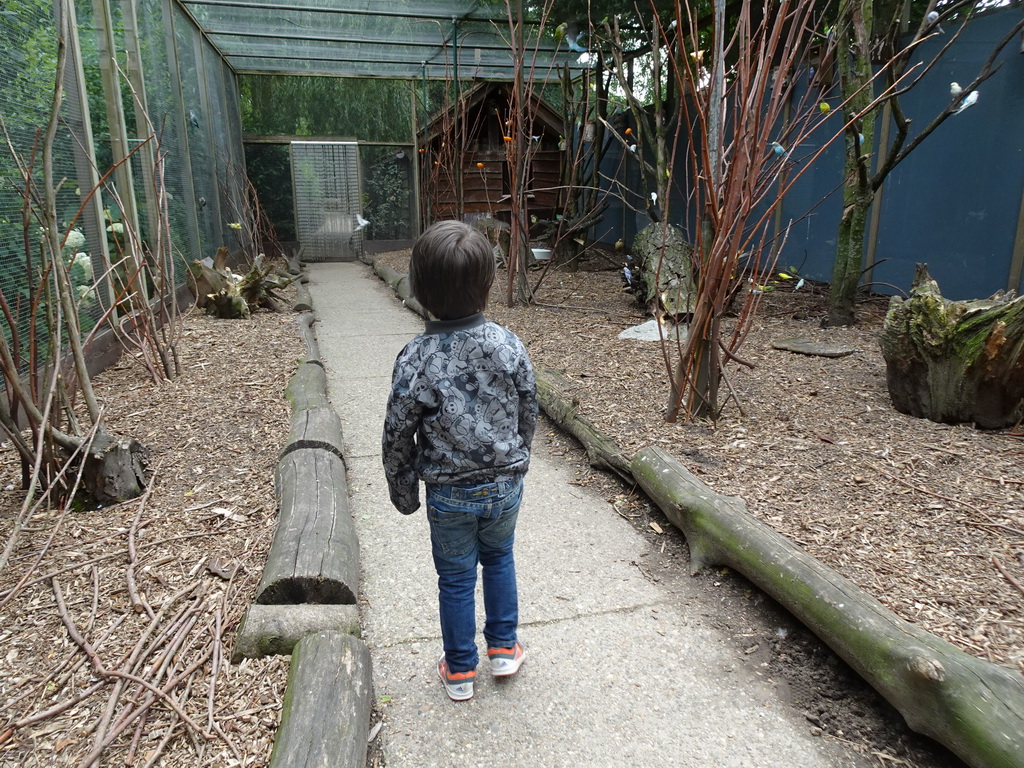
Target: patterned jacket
(462, 410)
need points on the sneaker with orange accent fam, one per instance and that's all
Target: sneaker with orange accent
(458, 685)
(506, 661)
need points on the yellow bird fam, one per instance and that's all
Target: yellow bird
(825, 107)
(620, 244)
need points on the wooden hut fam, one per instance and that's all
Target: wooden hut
(463, 158)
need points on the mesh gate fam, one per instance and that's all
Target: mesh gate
(325, 180)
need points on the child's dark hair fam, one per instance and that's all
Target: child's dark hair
(451, 270)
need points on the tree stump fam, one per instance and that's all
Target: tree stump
(325, 717)
(974, 707)
(113, 469)
(314, 557)
(955, 361)
(664, 271)
(275, 630)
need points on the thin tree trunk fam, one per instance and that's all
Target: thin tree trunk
(853, 52)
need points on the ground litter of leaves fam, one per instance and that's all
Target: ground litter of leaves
(929, 518)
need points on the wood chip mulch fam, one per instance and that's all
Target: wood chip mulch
(155, 587)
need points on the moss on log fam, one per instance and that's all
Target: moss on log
(971, 706)
(303, 299)
(274, 630)
(952, 361)
(325, 716)
(307, 387)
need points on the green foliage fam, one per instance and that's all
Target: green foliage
(369, 110)
(270, 172)
(387, 176)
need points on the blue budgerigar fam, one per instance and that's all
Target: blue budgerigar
(574, 43)
(969, 101)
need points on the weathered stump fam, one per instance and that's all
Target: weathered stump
(114, 468)
(664, 271)
(953, 361)
(314, 557)
(275, 630)
(972, 706)
(325, 717)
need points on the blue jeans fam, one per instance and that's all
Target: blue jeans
(472, 524)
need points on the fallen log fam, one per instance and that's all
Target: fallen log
(399, 283)
(973, 707)
(955, 361)
(314, 556)
(602, 453)
(303, 299)
(275, 630)
(305, 323)
(325, 716)
(315, 428)
(307, 388)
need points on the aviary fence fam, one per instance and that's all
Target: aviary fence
(127, 61)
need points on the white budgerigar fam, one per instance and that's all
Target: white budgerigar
(969, 101)
(954, 88)
(361, 221)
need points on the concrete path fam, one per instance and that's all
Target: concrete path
(620, 671)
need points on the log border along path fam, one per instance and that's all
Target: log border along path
(621, 669)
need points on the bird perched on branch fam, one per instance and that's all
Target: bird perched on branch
(931, 19)
(969, 101)
(955, 89)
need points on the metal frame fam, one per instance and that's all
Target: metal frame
(417, 47)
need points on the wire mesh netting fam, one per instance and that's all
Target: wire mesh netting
(328, 207)
(406, 39)
(28, 69)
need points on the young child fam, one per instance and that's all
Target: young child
(461, 417)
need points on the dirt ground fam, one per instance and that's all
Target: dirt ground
(929, 518)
